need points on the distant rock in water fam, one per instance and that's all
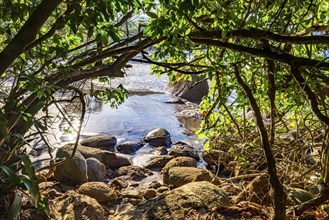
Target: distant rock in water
(130, 147)
(192, 91)
(105, 142)
(183, 149)
(158, 137)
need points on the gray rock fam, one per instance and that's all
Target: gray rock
(160, 151)
(135, 173)
(95, 169)
(105, 142)
(110, 159)
(179, 162)
(216, 157)
(99, 191)
(73, 171)
(192, 91)
(178, 176)
(296, 196)
(183, 149)
(158, 162)
(158, 137)
(174, 204)
(130, 147)
(75, 206)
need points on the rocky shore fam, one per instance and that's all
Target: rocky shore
(101, 182)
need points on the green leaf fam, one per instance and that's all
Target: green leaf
(147, 29)
(152, 14)
(11, 174)
(29, 169)
(32, 188)
(15, 207)
(114, 36)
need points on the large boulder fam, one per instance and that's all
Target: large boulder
(158, 162)
(105, 142)
(175, 204)
(130, 147)
(158, 137)
(99, 191)
(135, 173)
(75, 206)
(183, 149)
(73, 171)
(192, 90)
(110, 159)
(95, 169)
(179, 162)
(178, 176)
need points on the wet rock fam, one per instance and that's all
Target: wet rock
(95, 169)
(75, 206)
(183, 149)
(149, 194)
(110, 159)
(178, 176)
(73, 171)
(176, 203)
(160, 151)
(155, 184)
(135, 173)
(215, 157)
(256, 191)
(179, 162)
(158, 162)
(105, 142)
(158, 137)
(99, 191)
(193, 90)
(119, 183)
(130, 147)
(174, 100)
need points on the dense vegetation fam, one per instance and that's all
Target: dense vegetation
(270, 55)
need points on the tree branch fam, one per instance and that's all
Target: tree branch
(27, 33)
(281, 57)
(309, 94)
(258, 34)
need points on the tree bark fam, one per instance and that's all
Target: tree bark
(279, 196)
(295, 71)
(27, 33)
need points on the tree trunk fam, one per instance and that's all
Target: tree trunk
(27, 33)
